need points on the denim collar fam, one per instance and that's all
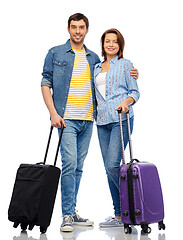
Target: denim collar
(69, 48)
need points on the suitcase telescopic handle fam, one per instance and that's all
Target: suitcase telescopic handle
(121, 135)
(129, 136)
(48, 144)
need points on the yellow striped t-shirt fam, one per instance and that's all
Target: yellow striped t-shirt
(79, 103)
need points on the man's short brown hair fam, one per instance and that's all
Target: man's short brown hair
(77, 17)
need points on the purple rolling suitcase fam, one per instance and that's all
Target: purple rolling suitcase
(140, 191)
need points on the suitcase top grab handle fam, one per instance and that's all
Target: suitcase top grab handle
(48, 144)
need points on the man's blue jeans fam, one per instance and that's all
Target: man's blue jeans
(110, 144)
(74, 148)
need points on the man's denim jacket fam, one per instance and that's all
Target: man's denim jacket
(57, 73)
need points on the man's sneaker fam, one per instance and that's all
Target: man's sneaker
(67, 224)
(81, 221)
(111, 222)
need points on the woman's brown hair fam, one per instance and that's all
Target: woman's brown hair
(120, 39)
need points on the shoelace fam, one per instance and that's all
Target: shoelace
(67, 219)
(109, 218)
(77, 215)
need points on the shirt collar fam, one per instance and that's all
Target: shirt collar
(99, 65)
(68, 46)
(114, 59)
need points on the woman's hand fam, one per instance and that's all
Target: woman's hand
(124, 106)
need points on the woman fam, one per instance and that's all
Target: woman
(115, 89)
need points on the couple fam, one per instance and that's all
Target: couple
(84, 90)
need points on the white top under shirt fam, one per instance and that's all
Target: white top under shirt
(100, 82)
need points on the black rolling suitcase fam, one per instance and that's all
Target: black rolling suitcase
(34, 193)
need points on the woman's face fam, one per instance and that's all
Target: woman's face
(111, 46)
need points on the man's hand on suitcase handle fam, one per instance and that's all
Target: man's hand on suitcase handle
(56, 121)
(123, 107)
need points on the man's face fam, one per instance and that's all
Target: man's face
(77, 31)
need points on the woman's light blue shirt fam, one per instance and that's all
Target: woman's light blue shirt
(119, 86)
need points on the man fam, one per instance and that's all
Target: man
(69, 70)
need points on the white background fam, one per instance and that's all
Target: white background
(153, 42)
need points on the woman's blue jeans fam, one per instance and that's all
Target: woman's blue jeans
(110, 144)
(74, 148)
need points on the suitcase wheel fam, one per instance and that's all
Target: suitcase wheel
(43, 230)
(23, 226)
(161, 225)
(15, 225)
(31, 226)
(145, 228)
(127, 229)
